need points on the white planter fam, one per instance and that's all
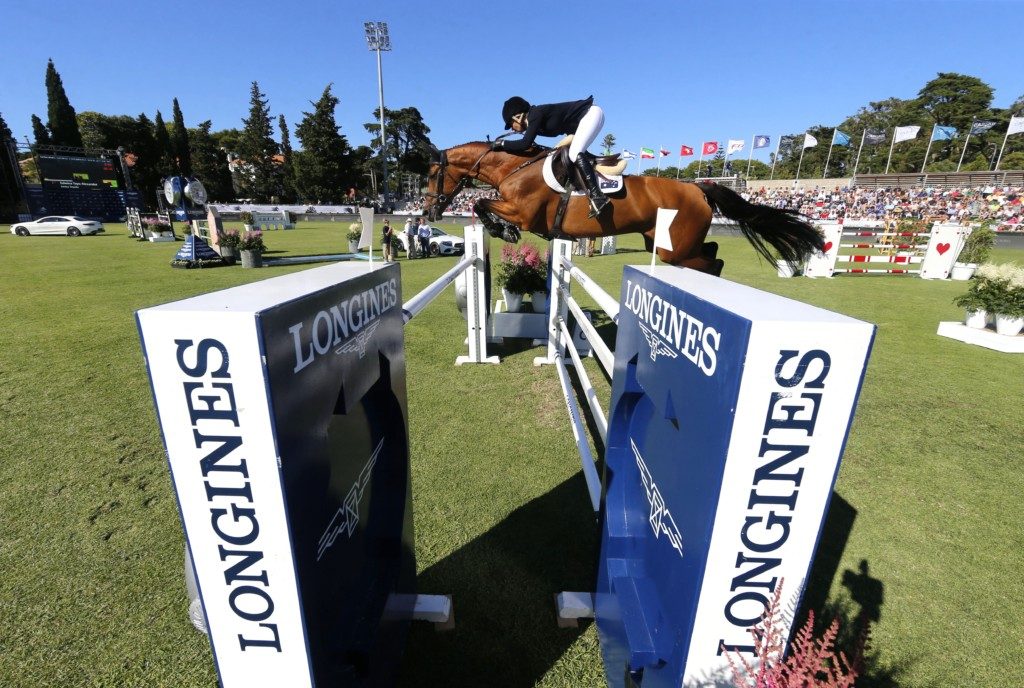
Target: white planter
(963, 271)
(513, 302)
(786, 269)
(247, 228)
(976, 319)
(540, 301)
(1008, 326)
(353, 246)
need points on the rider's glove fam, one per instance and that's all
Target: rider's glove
(497, 145)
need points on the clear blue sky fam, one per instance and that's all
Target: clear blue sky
(666, 73)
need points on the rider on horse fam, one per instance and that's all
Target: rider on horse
(581, 118)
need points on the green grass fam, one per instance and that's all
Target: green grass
(91, 586)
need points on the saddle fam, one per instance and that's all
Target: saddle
(561, 167)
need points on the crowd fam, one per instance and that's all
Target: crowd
(1003, 205)
(462, 205)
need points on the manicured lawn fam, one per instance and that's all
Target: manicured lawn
(91, 585)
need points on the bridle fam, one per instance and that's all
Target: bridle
(442, 200)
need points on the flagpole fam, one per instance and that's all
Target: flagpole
(639, 158)
(680, 165)
(800, 164)
(660, 148)
(966, 141)
(778, 147)
(928, 149)
(891, 146)
(859, 149)
(1003, 147)
(701, 161)
(751, 156)
(829, 157)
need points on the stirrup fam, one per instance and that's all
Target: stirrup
(598, 201)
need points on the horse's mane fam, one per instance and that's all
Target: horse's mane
(533, 150)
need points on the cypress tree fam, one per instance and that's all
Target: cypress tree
(287, 169)
(8, 183)
(63, 124)
(39, 132)
(259, 175)
(163, 146)
(179, 142)
(210, 163)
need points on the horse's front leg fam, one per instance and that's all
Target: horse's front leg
(493, 215)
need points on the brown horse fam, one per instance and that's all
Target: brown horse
(528, 204)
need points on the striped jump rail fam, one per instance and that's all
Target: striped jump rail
(889, 234)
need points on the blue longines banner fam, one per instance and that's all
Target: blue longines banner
(730, 410)
(283, 409)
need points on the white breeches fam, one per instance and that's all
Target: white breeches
(587, 131)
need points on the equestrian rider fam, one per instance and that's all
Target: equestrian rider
(581, 118)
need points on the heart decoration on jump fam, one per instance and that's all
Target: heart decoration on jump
(941, 248)
(828, 245)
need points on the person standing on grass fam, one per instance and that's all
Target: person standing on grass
(410, 238)
(424, 232)
(387, 237)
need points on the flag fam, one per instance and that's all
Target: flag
(981, 126)
(840, 139)
(662, 237)
(734, 146)
(627, 154)
(905, 133)
(810, 141)
(873, 137)
(941, 133)
(762, 141)
(646, 153)
(685, 150)
(710, 147)
(664, 153)
(786, 142)
(1016, 125)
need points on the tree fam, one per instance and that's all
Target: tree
(408, 145)
(40, 132)
(210, 163)
(323, 168)
(145, 152)
(955, 99)
(287, 168)
(227, 139)
(9, 196)
(165, 160)
(259, 174)
(608, 142)
(179, 143)
(61, 122)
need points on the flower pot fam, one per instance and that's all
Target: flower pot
(513, 302)
(539, 300)
(963, 271)
(1008, 326)
(247, 227)
(353, 246)
(976, 319)
(252, 259)
(229, 254)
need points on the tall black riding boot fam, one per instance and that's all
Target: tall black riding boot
(597, 199)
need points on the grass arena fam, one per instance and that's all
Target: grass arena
(923, 532)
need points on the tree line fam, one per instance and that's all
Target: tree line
(253, 161)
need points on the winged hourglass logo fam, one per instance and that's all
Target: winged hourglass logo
(657, 345)
(660, 519)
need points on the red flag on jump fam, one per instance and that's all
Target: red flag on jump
(710, 147)
(685, 150)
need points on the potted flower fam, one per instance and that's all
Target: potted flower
(975, 305)
(247, 221)
(355, 232)
(252, 247)
(977, 247)
(228, 243)
(1002, 288)
(157, 228)
(522, 271)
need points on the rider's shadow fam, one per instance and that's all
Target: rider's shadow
(502, 585)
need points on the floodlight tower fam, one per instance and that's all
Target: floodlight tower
(377, 39)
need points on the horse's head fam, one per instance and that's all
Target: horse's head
(450, 171)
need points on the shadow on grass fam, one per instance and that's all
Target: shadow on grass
(502, 585)
(866, 597)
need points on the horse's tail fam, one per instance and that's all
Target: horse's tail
(793, 238)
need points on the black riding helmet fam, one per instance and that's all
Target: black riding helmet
(513, 106)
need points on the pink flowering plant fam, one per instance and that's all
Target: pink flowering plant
(523, 270)
(252, 241)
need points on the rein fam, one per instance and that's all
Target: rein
(443, 200)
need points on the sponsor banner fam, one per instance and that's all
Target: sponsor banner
(730, 409)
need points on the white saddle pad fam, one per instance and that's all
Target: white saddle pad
(608, 185)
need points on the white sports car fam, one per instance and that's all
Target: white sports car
(57, 224)
(441, 242)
